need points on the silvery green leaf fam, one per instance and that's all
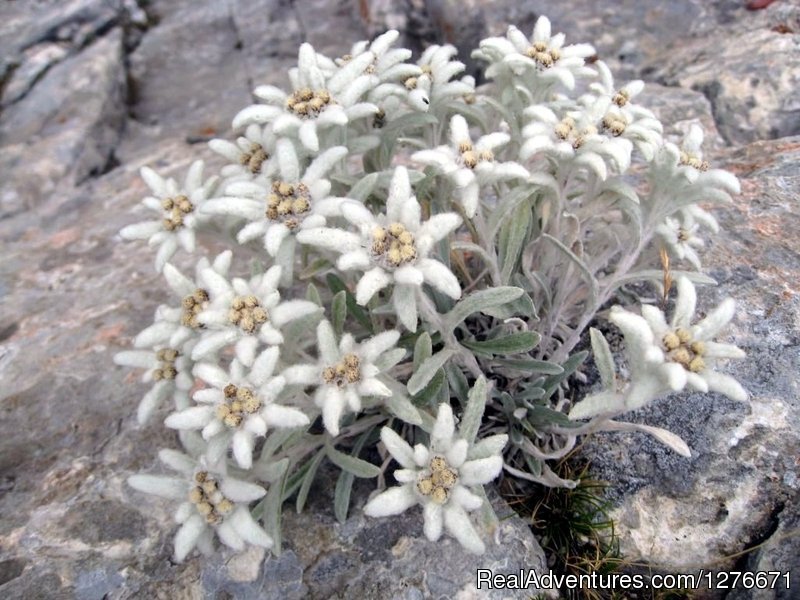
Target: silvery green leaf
(570, 366)
(510, 344)
(336, 285)
(590, 279)
(308, 479)
(351, 464)
(473, 413)
(363, 187)
(427, 370)
(512, 240)
(430, 395)
(531, 365)
(362, 143)
(488, 517)
(522, 306)
(603, 358)
(317, 266)
(658, 276)
(390, 358)
(458, 382)
(423, 349)
(271, 471)
(506, 206)
(339, 311)
(406, 123)
(667, 438)
(480, 301)
(605, 402)
(312, 294)
(401, 407)
(341, 495)
(270, 509)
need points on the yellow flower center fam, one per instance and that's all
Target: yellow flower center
(345, 372)
(307, 103)
(254, 158)
(288, 203)
(175, 209)
(544, 56)
(239, 402)
(437, 480)
(615, 124)
(208, 500)
(471, 157)
(247, 313)
(394, 245)
(193, 305)
(693, 161)
(682, 349)
(166, 370)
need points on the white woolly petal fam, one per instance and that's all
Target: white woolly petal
(398, 448)
(718, 318)
(243, 523)
(308, 135)
(302, 374)
(195, 417)
(274, 236)
(696, 382)
(326, 342)
(370, 283)
(154, 181)
(445, 426)
(480, 471)
(373, 387)
(333, 239)
(228, 536)
(257, 113)
(243, 448)
(237, 490)
(246, 349)
(433, 516)
(159, 485)
(466, 499)
(684, 304)
(399, 193)
(210, 344)
(140, 231)
(187, 536)
(440, 277)
(357, 259)
(404, 300)
(284, 416)
(408, 275)
(457, 453)
(421, 455)
(460, 527)
(725, 384)
(136, 358)
(377, 345)
(333, 403)
(717, 350)
(439, 226)
(165, 252)
(151, 400)
(291, 310)
(391, 502)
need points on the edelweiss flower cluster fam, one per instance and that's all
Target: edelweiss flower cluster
(405, 246)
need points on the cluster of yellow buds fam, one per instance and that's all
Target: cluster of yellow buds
(254, 158)
(411, 82)
(306, 102)
(193, 305)
(166, 370)
(566, 130)
(472, 157)
(288, 203)
(247, 313)
(176, 208)
(544, 56)
(621, 98)
(347, 371)
(239, 402)
(694, 162)
(208, 500)
(616, 124)
(439, 481)
(395, 243)
(684, 351)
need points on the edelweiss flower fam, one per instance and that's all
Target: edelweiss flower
(250, 156)
(439, 478)
(691, 154)
(177, 208)
(245, 313)
(575, 137)
(677, 353)
(289, 203)
(471, 166)
(543, 57)
(317, 101)
(175, 327)
(345, 374)
(432, 88)
(394, 247)
(681, 239)
(387, 62)
(213, 502)
(169, 369)
(238, 408)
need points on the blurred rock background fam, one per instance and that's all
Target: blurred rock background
(91, 90)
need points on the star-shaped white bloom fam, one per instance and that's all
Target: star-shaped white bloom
(251, 156)
(289, 202)
(669, 356)
(177, 208)
(388, 64)
(575, 138)
(470, 166)
(433, 89)
(240, 406)
(245, 313)
(681, 238)
(543, 59)
(345, 373)
(212, 503)
(441, 478)
(170, 371)
(177, 326)
(392, 249)
(318, 101)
